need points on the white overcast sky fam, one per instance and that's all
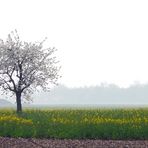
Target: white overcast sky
(97, 40)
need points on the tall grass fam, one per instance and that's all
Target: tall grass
(76, 123)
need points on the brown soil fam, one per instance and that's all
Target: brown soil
(6, 142)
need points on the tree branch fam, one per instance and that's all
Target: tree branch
(8, 86)
(11, 80)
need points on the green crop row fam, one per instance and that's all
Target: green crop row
(76, 123)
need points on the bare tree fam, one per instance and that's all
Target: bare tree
(25, 67)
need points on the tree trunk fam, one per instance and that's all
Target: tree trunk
(18, 101)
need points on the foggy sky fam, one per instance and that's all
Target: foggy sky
(97, 41)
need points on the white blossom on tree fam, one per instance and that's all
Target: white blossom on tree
(25, 67)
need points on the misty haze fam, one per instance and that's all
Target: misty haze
(103, 94)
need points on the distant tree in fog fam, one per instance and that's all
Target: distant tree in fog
(25, 67)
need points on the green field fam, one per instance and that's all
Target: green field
(76, 123)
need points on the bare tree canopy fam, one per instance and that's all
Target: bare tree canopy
(25, 67)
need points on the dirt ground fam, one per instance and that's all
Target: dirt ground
(6, 142)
